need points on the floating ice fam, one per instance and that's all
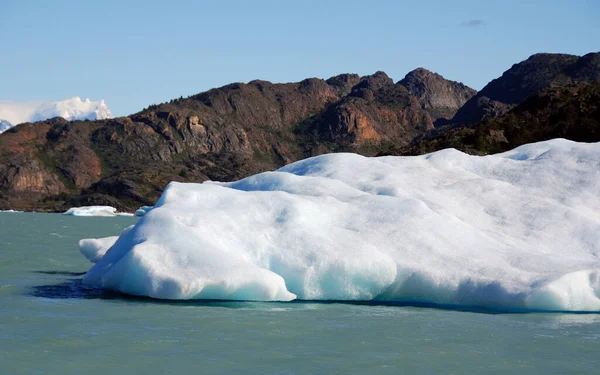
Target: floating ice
(519, 230)
(126, 214)
(91, 211)
(143, 210)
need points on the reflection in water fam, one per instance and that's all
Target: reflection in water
(572, 319)
(61, 273)
(74, 288)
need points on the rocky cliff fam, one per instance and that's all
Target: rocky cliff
(538, 72)
(245, 128)
(437, 95)
(571, 112)
(222, 134)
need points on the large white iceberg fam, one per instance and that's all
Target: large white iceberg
(15, 112)
(518, 230)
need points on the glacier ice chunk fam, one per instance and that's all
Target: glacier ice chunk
(91, 211)
(518, 230)
(143, 210)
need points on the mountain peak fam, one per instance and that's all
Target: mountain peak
(538, 72)
(420, 72)
(441, 97)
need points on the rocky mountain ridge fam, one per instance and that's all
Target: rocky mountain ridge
(439, 96)
(245, 128)
(538, 72)
(222, 134)
(571, 112)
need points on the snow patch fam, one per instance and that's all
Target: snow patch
(15, 112)
(518, 230)
(5, 125)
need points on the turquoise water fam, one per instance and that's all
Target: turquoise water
(51, 324)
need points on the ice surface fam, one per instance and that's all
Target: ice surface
(127, 214)
(519, 230)
(15, 112)
(94, 249)
(143, 210)
(91, 211)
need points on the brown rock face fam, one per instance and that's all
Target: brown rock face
(241, 129)
(571, 112)
(375, 112)
(439, 96)
(222, 134)
(538, 72)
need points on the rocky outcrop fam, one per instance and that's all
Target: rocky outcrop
(439, 96)
(222, 134)
(571, 112)
(375, 112)
(245, 128)
(538, 72)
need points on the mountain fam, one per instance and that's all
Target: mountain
(241, 129)
(538, 72)
(571, 112)
(439, 96)
(222, 134)
(15, 112)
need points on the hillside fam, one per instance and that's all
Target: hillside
(538, 72)
(571, 112)
(241, 129)
(222, 134)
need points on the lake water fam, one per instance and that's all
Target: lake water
(51, 324)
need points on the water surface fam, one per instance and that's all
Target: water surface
(51, 324)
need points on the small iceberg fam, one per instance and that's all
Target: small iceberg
(106, 211)
(143, 210)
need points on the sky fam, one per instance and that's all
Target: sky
(136, 53)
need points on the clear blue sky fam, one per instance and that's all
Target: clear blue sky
(135, 53)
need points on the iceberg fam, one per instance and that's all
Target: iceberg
(518, 230)
(143, 210)
(16, 112)
(91, 211)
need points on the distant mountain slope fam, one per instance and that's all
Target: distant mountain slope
(222, 134)
(242, 129)
(571, 112)
(439, 96)
(538, 72)
(16, 112)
